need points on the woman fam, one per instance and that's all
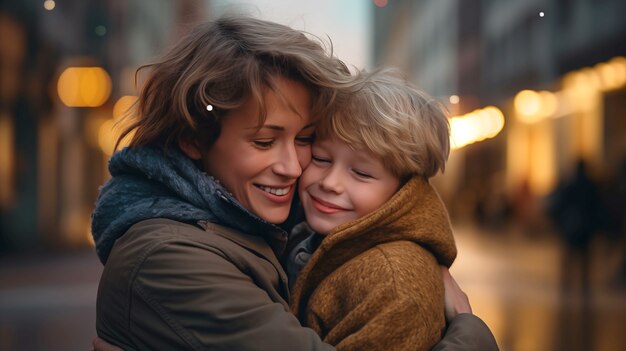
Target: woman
(192, 223)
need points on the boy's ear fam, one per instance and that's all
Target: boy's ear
(190, 149)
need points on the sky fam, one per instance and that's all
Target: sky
(346, 22)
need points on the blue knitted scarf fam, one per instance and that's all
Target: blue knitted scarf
(148, 183)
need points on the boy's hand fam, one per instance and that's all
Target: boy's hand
(101, 345)
(456, 300)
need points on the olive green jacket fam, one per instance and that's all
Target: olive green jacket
(173, 286)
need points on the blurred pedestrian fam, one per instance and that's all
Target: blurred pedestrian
(616, 203)
(576, 209)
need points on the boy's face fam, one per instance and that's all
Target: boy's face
(341, 185)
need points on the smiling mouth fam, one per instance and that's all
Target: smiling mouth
(326, 205)
(274, 191)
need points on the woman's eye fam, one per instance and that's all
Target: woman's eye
(263, 144)
(318, 159)
(305, 140)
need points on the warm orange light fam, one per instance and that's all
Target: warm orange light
(549, 104)
(542, 172)
(619, 66)
(123, 106)
(533, 106)
(7, 161)
(527, 104)
(579, 92)
(84, 86)
(107, 137)
(108, 133)
(475, 126)
(111, 129)
(604, 76)
(496, 121)
(608, 75)
(593, 78)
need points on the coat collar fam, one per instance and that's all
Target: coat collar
(415, 213)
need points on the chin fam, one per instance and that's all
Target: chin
(319, 228)
(275, 218)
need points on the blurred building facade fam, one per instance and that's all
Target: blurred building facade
(555, 68)
(470, 53)
(53, 156)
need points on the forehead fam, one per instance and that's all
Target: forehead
(337, 146)
(287, 94)
(286, 104)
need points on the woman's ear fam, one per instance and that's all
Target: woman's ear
(190, 149)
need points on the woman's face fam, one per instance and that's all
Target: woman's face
(260, 166)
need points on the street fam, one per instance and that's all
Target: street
(47, 302)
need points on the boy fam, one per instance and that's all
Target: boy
(374, 282)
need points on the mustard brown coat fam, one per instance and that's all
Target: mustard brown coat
(375, 283)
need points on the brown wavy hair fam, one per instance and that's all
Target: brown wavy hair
(223, 63)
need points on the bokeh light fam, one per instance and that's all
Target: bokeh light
(532, 106)
(49, 5)
(380, 3)
(475, 126)
(84, 86)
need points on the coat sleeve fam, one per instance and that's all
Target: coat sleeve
(197, 299)
(467, 332)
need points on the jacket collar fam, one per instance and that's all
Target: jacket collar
(253, 243)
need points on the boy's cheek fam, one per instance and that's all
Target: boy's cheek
(304, 158)
(310, 176)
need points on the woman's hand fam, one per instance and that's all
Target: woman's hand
(101, 345)
(456, 300)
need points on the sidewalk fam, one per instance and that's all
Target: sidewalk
(513, 283)
(47, 302)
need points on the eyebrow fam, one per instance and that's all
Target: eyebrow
(281, 128)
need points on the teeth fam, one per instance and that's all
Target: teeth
(275, 191)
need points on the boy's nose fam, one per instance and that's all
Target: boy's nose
(332, 181)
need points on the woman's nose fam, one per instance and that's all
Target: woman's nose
(287, 163)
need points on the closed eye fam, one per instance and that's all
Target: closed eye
(362, 174)
(263, 144)
(305, 140)
(319, 160)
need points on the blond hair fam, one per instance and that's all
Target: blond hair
(224, 63)
(392, 119)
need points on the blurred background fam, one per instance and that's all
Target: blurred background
(535, 184)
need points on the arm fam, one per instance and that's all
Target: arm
(465, 331)
(190, 297)
(456, 300)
